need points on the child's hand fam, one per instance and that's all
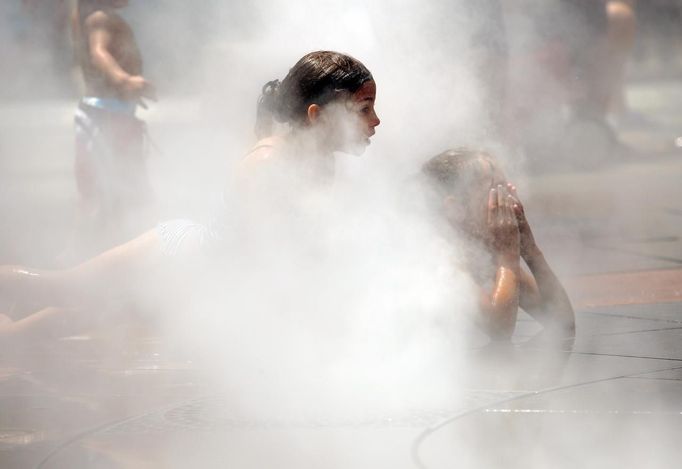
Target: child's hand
(136, 87)
(527, 240)
(502, 222)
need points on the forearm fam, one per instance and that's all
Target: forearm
(112, 71)
(504, 298)
(554, 301)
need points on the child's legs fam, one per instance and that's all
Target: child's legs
(89, 284)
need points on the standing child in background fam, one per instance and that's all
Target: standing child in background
(110, 167)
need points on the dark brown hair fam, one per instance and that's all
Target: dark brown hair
(317, 78)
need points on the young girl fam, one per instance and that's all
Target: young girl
(327, 101)
(484, 209)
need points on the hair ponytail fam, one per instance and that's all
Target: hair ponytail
(266, 110)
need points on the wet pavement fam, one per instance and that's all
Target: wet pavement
(607, 399)
(610, 398)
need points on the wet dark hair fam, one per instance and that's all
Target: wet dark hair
(454, 170)
(317, 78)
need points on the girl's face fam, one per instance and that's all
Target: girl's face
(352, 123)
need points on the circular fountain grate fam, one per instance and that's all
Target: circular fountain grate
(218, 413)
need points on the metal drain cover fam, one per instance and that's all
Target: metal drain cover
(218, 414)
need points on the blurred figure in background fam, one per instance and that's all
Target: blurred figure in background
(110, 167)
(622, 32)
(600, 61)
(490, 50)
(49, 24)
(567, 71)
(35, 49)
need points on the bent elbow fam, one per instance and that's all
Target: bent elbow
(564, 328)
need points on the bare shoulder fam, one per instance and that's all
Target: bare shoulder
(97, 19)
(258, 157)
(262, 151)
(102, 19)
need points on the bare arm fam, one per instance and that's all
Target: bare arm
(544, 297)
(500, 305)
(542, 294)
